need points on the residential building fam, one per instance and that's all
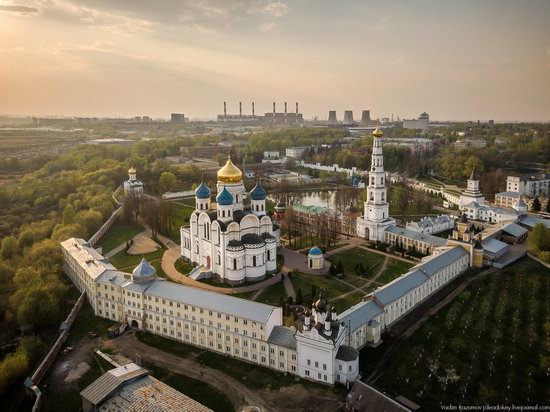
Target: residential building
(432, 225)
(295, 152)
(532, 185)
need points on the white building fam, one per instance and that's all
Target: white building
(243, 329)
(271, 154)
(383, 307)
(487, 213)
(414, 144)
(376, 217)
(295, 152)
(228, 240)
(421, 123)
(432, 225)
(531, 185)
(472, 192)
(315, 259)
(133, 186)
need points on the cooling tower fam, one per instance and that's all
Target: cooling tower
(365, 118)
(348, 117)
(332, 117)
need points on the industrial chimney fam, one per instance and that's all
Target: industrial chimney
(224, 109)
(252, 108)
(365, 118)
(240, 109)
(332, 119)
(285, 108)
(296, 107)
(273, 108)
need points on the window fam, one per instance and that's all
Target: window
(307, 372)
(234, 264)
(253, 260)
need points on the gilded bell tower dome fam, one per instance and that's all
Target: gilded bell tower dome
(230, 173)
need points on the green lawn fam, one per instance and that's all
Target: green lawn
(167, 345)
(272, 294)
(349, 258)
(122, 260)
(487, 347)
(198, 390)
(86, 321)
(120, 232)
(183, 267)
(181, 212)
(331, 288)
(394, 269)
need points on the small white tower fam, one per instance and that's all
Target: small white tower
(472, 192)
(225, 205)
(202, 197)
(133, 186)
(257, 200)
(520, 206)
(315, 259)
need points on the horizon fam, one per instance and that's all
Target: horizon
(76, 58)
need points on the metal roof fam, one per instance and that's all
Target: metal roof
(515, 230)
(492, 245)
(87, 257)
(438, 262)
(283, 336)
(411, 234)
(508, 194)
(218, 302)
(110, 381)
(532, 221)
(360, 314)
(347, 353)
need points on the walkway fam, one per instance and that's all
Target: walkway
(237, 393)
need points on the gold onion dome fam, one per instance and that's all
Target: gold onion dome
(377, 133)
(229, 173)
(132, 170)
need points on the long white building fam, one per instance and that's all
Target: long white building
(383, 307)
(240, 328)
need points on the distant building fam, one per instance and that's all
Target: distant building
(470, 143)
(416, 145)
(131, 388)
(421, 123)
(532, 185)
(295, 152)
(271, 155)
(206, 152)
(177, 118)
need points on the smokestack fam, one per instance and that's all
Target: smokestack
(285, 108)
(240, 109)
(296, 107)
(348, 117)
(332, 119)
(365, 118)
(225, 108)
(273, 107)
(252, 108)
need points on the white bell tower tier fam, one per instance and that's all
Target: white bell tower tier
(376, 216)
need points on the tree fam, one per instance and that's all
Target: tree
(91, 220)
(535, 207)
(539, 239)
(313, 292)
(299, 298)
(339, 267)
(9, 247)
(69, 214)
(168, 182)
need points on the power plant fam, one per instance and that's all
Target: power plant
(269, 117)
(348, 118)
(365, 118)
(332, 119)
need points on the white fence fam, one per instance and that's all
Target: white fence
(105, 227)
(334, 168)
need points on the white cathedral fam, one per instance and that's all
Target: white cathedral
(226, 239)
(376, 217)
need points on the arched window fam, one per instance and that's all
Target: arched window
(234, 264)
(253, 260)
(269, 255)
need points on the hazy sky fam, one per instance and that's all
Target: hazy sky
(454, 59)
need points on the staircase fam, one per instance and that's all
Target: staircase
(200, 272)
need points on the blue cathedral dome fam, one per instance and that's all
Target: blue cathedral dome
(203, 192)
(315, 251)
(224, 198)
(258, 192)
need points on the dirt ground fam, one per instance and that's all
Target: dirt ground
(291, 398)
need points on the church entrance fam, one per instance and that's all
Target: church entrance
(134, 324)
(208, 262)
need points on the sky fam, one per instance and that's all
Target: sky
(456, 60)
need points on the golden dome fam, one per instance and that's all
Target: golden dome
(132, 170)
(229, 173)
(377, 133)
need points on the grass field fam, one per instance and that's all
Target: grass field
(491, 345)
(183, 267)
(180, 216)
(394, 269)
(272, 294)
(199, 391)
(331, 288)
(120, 232)
(351, 257)
(122, 260)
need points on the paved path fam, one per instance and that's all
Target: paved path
(238, 394)
(289, 288)
(257, 294)
(412, 262)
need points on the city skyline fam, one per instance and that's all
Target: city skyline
(456, 61)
